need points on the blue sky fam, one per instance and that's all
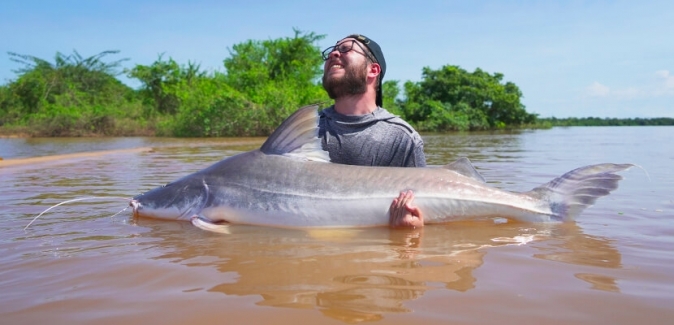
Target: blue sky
(569, 58)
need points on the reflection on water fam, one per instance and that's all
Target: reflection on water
(573, 247)
(78, 264)
(359, 275)
(600, 282)
(581, 249)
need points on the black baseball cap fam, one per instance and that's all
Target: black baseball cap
(374, 48)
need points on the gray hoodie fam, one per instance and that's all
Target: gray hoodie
(376, 139)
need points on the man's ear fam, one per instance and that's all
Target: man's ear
(374, 70)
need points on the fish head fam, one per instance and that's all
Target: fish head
(179, 200)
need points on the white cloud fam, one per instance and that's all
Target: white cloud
(630, 93)
(666, 82)
(662, 74)
(597, 90)
(662, 85)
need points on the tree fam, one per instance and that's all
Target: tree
(157, 78)
(71, 95)
(451, 98)
(42, 80)
(263, 83)
(390, 91)
(280, 74)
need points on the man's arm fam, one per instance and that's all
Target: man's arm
(403, 213)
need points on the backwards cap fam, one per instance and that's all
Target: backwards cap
(374, 48)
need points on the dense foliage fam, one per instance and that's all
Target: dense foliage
(72, 96)
(262, 83)
(451, 98)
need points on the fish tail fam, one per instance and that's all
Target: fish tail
(568, 195)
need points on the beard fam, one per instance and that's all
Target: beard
(354, 82)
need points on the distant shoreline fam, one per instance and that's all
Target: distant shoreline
(542, 123)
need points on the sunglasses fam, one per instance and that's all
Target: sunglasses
(344, 47)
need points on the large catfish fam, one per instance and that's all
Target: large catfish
(289, 182)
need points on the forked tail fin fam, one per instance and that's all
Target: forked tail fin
(573, 192)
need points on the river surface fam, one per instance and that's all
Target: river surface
(85, 263)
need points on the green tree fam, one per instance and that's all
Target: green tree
(263, 83)
(73, 95)
(43, 80)
(279, 74)
(211, 107)
(390, 92)
(155, 80)
(9, 111)
(452, 98)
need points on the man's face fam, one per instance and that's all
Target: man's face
(345, 73)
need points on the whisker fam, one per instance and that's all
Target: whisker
(75, 200)
(114, 215)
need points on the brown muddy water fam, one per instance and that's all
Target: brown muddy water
(81, 264)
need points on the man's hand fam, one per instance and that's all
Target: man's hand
(403, 214)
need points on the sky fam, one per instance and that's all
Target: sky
(569, 58)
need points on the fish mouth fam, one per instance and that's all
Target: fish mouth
(135, 206)
(141, 211)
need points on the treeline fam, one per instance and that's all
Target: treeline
(73, 96)
(262, 83)
(596, 121)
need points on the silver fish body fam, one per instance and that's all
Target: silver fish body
(285, 183)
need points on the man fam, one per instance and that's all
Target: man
(356, 130)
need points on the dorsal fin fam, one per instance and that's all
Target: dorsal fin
(297, 136)
(464, 167)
